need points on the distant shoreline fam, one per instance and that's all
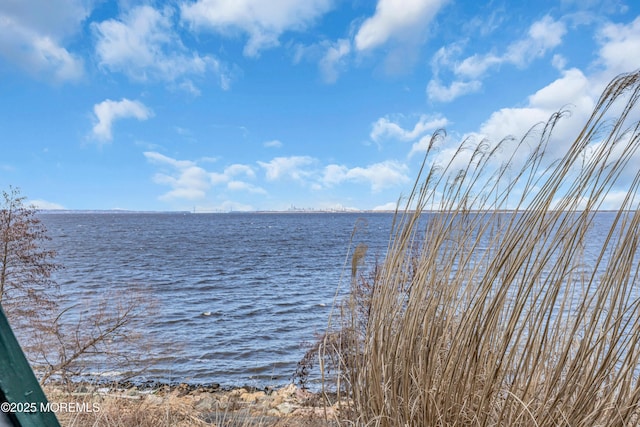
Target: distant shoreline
(301, 211)
(119, 211)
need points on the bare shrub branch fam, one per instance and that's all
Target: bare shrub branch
(58, 341)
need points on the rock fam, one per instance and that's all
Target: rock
(154, 399)
(288, 391)
(237, 392)
(223, 403)
(209, 388)
(207, 403)
(313, 412)
(83, 389)
(276, 400)
(302, 394)
(273, 413)
(183, 389)
(252, 397)
(285, 408)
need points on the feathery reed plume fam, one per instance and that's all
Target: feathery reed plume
(509, 312)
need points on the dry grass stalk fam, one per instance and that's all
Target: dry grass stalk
(182, 406)
(115, 411)
(497, 318)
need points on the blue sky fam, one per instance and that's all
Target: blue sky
(263, 105)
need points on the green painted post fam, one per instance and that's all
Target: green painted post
(20, 391)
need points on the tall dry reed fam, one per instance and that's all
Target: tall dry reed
(494, 305)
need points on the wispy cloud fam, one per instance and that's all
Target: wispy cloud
(379, 176)
(186, 179)
(231, 172)
(294, 167)
(144, 45)
(262, 21)
(274, 143)
(620, 46)
(436, 91)
(332, 57)
(334, 60)
(572, 90)
(108, 111)
(189, 181)
(33, 40)
(396, 19)
(245, 186)
(387, 128)
(542, 36)
(516, 121)
(403, 22)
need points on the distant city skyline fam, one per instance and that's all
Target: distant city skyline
(247, 105)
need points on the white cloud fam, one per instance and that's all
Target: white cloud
(445, 57)
(571, 91)
(334, 174)
(620, 47)
(543, 36)
(33, 33)
(239, 169)
(263, 21)
(384, 127)
(559, 62)
(477, 65)
(274, 143)
(572, 87)
(332, 57)
(436, 91)
(156, 157)
(294, 167)
(379, 175)
(422, 145)
(230, 172)
(333, 60)
(399, 19)
(190, 181)
(144, 45)
(109, 111)
(186, 179)
(245, 186)
(390, 206)
(189, 87)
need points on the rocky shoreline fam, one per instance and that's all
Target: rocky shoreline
(126, 404)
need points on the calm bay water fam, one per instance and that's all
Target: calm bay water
(236, 296)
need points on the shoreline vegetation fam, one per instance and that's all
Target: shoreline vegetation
(477, 318)
(155, 404)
